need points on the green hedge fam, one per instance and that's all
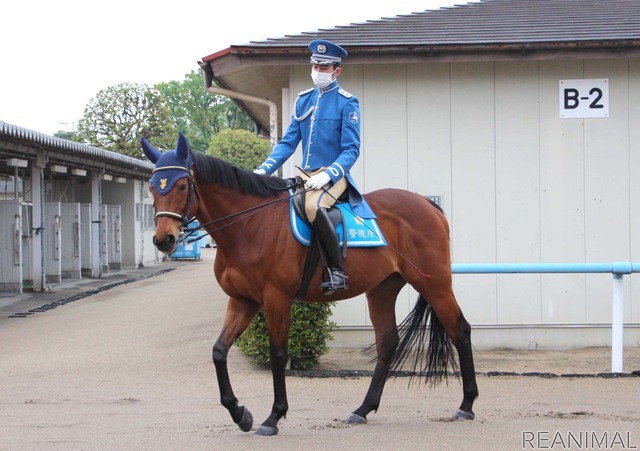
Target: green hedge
(308, 335)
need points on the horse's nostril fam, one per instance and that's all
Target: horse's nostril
(165, 244)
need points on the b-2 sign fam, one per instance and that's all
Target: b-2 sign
(584, 98)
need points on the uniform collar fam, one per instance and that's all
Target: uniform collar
(333, 85)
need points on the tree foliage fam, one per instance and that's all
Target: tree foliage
(240, 147)
(201, 115)
(120, 115)
(71, 136)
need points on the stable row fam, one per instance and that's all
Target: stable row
(70, 238)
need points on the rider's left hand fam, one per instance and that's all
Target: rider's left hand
(318, 181)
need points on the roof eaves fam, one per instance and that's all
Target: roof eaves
(13, 131)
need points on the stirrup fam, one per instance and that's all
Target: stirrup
(337, 281)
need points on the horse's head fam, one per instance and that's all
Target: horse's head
(171, 185)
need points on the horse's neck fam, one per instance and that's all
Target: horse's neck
(227, 209)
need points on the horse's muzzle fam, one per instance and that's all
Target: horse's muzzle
(167, 245)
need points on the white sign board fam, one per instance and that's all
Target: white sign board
(584, 98)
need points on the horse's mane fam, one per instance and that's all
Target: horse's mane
(210, 169)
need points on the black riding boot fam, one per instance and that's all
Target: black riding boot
(331, 244)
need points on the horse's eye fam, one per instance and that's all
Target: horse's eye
(183, 187)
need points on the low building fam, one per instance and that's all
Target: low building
(69, 210)
(520, 117)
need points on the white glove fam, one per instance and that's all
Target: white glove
(260, 171)
(318, 180)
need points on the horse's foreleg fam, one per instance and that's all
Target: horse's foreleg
(381, 301)
(278, 322)
(239, 315)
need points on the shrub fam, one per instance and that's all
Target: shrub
(308, 335)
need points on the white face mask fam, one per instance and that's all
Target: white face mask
(322, 79)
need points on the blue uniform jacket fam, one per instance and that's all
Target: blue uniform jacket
(327, 123)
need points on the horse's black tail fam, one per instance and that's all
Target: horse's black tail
(424, 339)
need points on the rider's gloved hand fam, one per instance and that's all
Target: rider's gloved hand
(318, 181)
(260, 171)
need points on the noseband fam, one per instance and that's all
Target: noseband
(183, 218)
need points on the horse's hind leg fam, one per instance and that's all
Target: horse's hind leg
(381, 301)
(450, 317)
(239, 315)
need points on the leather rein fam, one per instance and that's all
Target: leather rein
(186, 218)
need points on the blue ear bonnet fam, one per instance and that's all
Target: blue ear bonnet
(171, 165)
(163, 179)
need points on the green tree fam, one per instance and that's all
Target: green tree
(201, 115)
(240, 147)
(71, 136)
(120, 115)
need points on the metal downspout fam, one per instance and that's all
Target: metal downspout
(273, 108)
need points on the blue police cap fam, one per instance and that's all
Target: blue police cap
(326, 52)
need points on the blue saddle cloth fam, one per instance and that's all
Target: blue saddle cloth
(360, 232)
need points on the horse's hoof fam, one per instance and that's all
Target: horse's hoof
(246, 423)
(267, 431)
(355, 419)
(462, 415)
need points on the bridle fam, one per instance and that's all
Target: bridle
(185, 218)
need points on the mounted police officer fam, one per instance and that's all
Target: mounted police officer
(326, 120)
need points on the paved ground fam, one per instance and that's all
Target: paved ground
(129, 367)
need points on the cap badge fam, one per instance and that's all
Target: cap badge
(322, 48)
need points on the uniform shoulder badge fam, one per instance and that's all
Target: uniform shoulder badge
(345, 93)
(305, 92)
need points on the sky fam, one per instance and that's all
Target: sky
(57, 55)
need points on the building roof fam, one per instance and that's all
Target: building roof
(488, 22)
(483, 30)
(21, 143)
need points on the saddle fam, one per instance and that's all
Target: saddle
(352, 230)
(335, 215)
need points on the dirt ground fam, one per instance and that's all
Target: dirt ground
(130, 368)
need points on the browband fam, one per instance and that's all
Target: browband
(166, 168)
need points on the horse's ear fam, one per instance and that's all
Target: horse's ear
(182, 149)
(151, 153)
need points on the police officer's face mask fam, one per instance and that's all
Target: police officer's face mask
(322, 79)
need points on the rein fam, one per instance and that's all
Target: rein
(247, 213)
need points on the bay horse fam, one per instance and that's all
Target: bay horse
(259, 264)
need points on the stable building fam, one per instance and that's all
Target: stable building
(520, 118)
(69, 210)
